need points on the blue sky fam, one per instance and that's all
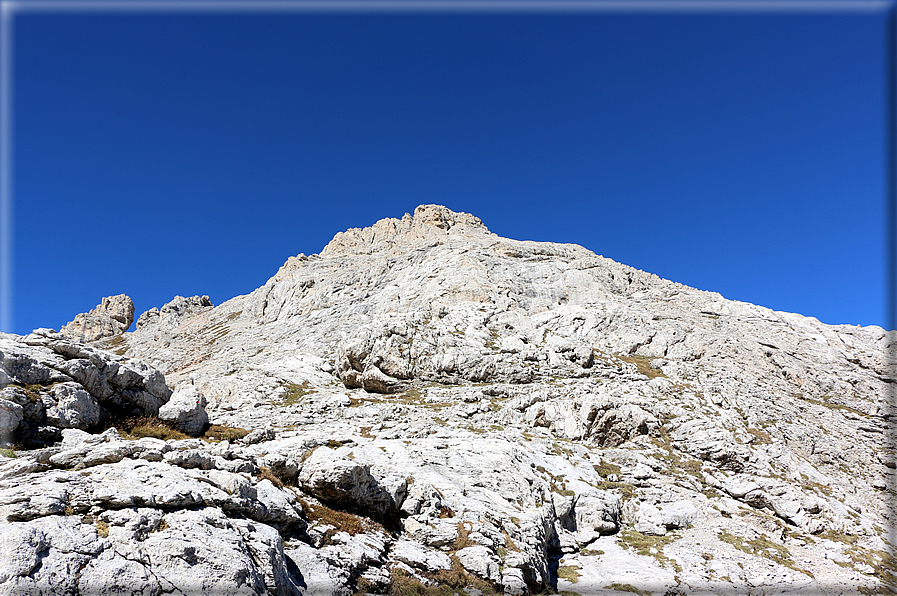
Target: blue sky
(189, 154)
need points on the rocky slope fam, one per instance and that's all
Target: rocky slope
(436, 409)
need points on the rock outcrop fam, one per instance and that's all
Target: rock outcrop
(433, 405)
(112, 317)
(50, 383)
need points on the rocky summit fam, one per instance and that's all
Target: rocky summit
(426, 408)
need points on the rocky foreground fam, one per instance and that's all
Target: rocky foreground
(427, 408)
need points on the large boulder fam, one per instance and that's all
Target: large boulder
(113, 316)
(371, 363)
(72, 407)
(343, 482)
(657, 519)
(186, 410)
(596, 514)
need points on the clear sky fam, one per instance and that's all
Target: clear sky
(191, 154)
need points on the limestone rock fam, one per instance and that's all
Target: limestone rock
(72, 407)
(113, 316)
(341, 481)
(62, 384)
(11, 415)
(259, 435)
(419, 556)
(480, 561)
(424, 395)
(596, 514)
(186, 409)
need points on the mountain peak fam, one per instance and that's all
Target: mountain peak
(429, 222)
(426, 373)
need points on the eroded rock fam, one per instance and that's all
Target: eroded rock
(113, 316)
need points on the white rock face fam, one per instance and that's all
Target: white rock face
(113, 316)
(448, 407)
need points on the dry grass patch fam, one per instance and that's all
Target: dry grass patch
(605, 468)
(463, 539)
(824, 489)
(401, 583)
(761, 437)
(643, 364)
(268, 474)
(628, 588)
(509, 542)
(220, 432)
(102, 528)
(138, 427)
(342, 521)
(557, 484)
(412, 395)
(763, 547)
(445, 582)
(32, 392)
(643, 544)
(569, 573)
(627, 490)
(295, 393)
(831, 406)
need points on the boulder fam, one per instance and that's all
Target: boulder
(186, 410)
(419, 556)
(375, 380)
(73, 407)
(343, 482)
(596, 514)
(480, 561)
(259, 435)
(59, 383)
(658, 518)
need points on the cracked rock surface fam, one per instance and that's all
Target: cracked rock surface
(434, 407)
